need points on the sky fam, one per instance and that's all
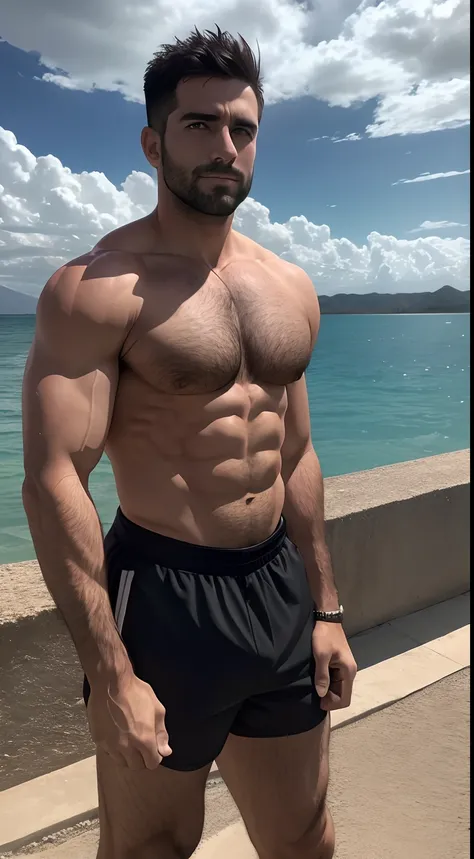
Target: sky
(362, 172)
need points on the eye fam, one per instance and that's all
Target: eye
(194, 124)
(240, 129)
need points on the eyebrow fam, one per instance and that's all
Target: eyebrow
(212, 117)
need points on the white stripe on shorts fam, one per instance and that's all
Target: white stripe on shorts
(123, 595)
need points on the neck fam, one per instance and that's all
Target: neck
(186, 232)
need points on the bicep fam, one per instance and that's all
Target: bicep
(65, 419)
(69, 389)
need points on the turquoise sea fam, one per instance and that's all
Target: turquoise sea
(382, 389)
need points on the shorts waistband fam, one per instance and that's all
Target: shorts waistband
(176, 554)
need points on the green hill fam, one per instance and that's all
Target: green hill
(16, 303)
(444, 300)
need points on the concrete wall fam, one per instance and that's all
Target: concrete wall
(399, 538)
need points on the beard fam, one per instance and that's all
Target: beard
(221, 201)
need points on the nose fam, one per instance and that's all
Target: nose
(225, 151)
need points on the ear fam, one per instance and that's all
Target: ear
(151, 145)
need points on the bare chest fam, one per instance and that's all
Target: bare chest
(201, 338)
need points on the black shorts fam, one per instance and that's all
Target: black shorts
(223, 636)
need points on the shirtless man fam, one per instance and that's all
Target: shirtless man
(179, 347)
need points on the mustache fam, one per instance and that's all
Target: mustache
(210, 170)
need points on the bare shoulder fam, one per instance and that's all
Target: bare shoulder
(89, 298)
(296, 278)
(302, 289)
(288, 270)
(136, 237)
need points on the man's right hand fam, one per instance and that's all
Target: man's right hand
(128, 723)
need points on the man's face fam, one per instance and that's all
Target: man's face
(208, 149)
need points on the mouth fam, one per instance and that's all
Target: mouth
(221, 178)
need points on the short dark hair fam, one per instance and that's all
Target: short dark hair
(213, 54)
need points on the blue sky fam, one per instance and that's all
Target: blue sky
(101, 131)
(348, 185)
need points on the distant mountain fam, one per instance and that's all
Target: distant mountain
(13, 302)
(444, 300)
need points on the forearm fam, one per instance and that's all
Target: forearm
(304, 514)
(68, 540)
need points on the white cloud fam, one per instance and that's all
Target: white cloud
(349, 137)
(430, 106)
(411, 55)
(64, 82)
(428, 177)
(335, 139)
(49, 215)
(437, 225)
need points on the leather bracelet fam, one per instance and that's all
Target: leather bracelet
(330, 616)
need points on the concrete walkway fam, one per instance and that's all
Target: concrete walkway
(399, 787)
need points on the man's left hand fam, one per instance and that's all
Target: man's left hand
(335, 666)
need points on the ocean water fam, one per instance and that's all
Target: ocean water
(382, 389)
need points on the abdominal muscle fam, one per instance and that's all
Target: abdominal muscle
(205, 469)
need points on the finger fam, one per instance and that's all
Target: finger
(330, 702)
(346, 671)
(162, 739)
(151, 755)
(338, 696)
(345, 678)
(321, 677)
(162, 742)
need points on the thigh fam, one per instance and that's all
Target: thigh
(279, 785)
(149, 813)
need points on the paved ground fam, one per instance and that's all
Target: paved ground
(399, 786)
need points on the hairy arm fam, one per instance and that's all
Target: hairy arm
(304, 499)
(304, 512)
(68, 396)
(304, 487)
